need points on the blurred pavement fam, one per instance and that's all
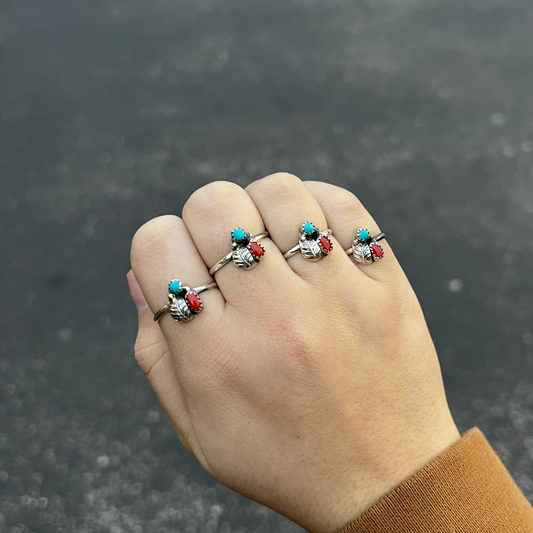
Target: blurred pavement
(112, 112)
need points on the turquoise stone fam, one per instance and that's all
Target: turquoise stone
(175, 286)
(363, 234)
(238, 234)
(309, 228)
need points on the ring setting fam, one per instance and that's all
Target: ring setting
(246, 250)
(313, 244)
(365, 247)
(183, 302)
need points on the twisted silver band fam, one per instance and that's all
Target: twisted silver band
(228, 257)
(171, 301)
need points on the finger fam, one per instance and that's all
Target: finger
(211, 214)
(345, 214)
(153, 357)
(163, 250)
(285, 204)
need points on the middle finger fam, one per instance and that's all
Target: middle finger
(211, 214)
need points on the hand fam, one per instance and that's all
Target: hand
(311, 387)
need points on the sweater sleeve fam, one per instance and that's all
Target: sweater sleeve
(466, 489)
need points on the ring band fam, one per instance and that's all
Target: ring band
(366, 248)
(246, 251)
(313, 243)
(183, 302)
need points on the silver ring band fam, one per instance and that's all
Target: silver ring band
(232, 255)
(206, 287)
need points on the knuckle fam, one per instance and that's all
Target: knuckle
(385, 311)
(279, 185)
(349, 305)
(295, 342)
(154, 236)
(347, 204)
(388, 309)
(219, 359)
(211, 198)
(225, 366)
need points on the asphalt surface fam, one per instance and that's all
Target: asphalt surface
(114, 112)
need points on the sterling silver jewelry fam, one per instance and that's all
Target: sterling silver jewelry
(313, 243)
(246, 251)
(366, 248)
(183, 303)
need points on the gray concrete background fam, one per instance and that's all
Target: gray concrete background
(113, 112)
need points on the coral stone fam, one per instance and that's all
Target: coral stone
(175, 286)
(309, 228)
(325, 243)
(238, 234)
(256, 249)
(193, 301)
(377, 251)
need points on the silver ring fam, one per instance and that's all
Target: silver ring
(313, 243)
(366, 248)
(183, 302)
(246, 251)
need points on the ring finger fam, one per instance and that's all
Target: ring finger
(285, 204)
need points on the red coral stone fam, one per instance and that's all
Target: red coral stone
(325, 243)
(193, 301)
(256, 249)
(377, 251)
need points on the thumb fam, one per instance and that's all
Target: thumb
(151, 345)
(154, 359)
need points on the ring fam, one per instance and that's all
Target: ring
(366, 248)
(313, 243)
(183, 303)
(246, 251)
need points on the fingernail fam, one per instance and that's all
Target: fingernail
(136, 293)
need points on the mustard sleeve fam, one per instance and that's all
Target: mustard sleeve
(466, 489)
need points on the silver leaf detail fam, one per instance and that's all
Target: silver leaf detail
(311, 249)
(179, 309)
(243, 258)
(362, 253)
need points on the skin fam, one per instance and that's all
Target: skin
(310, 387)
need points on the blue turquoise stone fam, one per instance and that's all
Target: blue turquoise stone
(175, 286)
(309, 228)
(238, 234)
(363, 234)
